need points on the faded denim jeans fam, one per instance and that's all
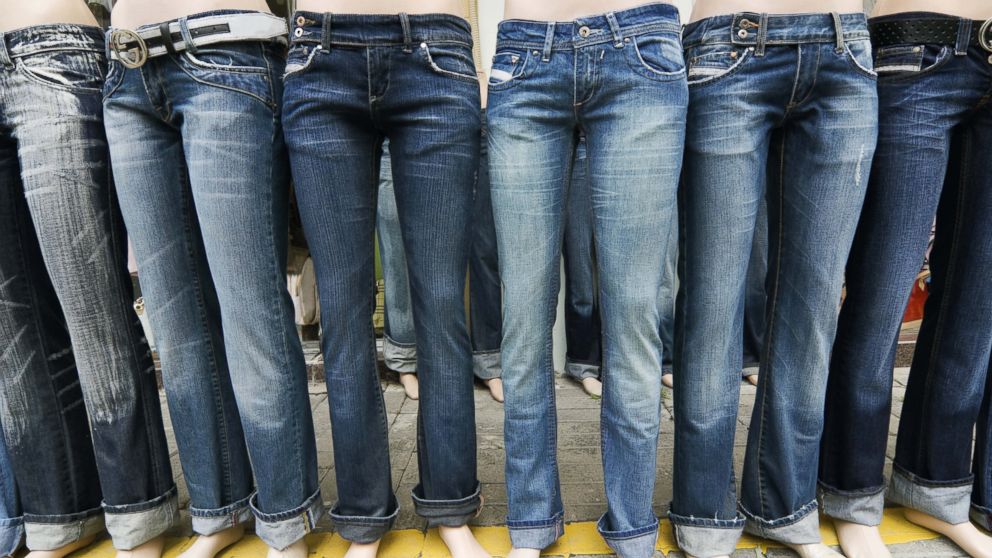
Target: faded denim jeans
(63, 276)
(782, 112)
(203, 182)
(11, 522)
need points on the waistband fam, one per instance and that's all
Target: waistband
(55, 37)
(193, 18)
(754, 29)
(610, 27)
(359, 30)
(931, 28)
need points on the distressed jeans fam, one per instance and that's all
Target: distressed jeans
(619, 79)
(782, 111)
(203, 182)
(935, 129)
(81, 419)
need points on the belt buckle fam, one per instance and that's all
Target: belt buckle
(985, 35)
(131, 57)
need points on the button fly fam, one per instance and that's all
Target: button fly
(584, 31)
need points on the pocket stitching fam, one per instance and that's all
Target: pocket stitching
(441, 71)
(517, 77)
(267, 102)
(31, 76)
(203, 65)
(306, 64)
(657, 75)
(943, 58)
(733, 69)
(857, 64)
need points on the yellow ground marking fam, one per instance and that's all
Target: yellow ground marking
(580, 539)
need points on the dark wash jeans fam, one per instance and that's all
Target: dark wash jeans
(352, 81)
(782, 111)
(935, 135)
(618, 78)
(203, 182)
(63, 276)
(11, 522)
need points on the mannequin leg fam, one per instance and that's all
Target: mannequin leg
(860, 541)
(965, 535)
(299, 549)
(495, 386)
(150, 549)
(208, 546)
(64, 550)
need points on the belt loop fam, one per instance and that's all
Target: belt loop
(839, 31)
(5, 58)
(615, 27)
(964, 37)
(187, 36)
(325, 33)
(759, 50)
(407, 37)
(549, 41)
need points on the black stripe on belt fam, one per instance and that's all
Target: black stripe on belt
(933, 31)
(169, 45)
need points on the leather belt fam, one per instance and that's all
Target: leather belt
(134, 48)
(933, 31)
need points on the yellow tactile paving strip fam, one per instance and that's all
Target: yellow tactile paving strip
(580, 539)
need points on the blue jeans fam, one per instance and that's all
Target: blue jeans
(82, 419)
(619, 78)
(203, 182)
(782, 111)
(338, 111)
(485, 291)
(11, 522)
(935, 127)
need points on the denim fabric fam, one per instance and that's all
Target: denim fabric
(351, 82)
(619, 79)
(203, 182)
(11, 522)
(981, 493)
(65, 255)
(755, 324)
(782, 111)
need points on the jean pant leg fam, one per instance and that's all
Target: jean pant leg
(981, 492)
(11, 522)
(485, 290)
(754, 294)
(666, 297)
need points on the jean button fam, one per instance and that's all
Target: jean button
(584, 31)
(742, 33)
(298, 32)
(300, 21)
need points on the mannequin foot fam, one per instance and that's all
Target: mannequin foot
(359, 550)
(495, 386)
(965, 535)
(298, 549)
(208, 546)
(668, 380)
(595, 389)
(752, 379)
(860, 541)
(151, 549)
(461, 542)
(524, 553)
(60, 552)
(411, 385)
(818, 550)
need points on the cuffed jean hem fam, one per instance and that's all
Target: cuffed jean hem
(11, 533)
(447, 513)
(704, 538)
(632, 543)
(981, 516)
(50, 532)
(207, 522)
(133, 525)
(948, 501)
(399, 357)
(363, 530)
(800, 527)
(485, 365)
(538, 534)
(279, 530)
(863, 507)
(581, 370)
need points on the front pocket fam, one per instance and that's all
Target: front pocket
(450, 60)
(858, 53)
(300, 59)
(508, 67)
(656, 56)
(228, 57)
(709, 63)
(241, 67)
(910, 60)
(70, 70)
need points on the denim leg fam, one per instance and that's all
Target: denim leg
(11, 522)
(400, 339)
(485, 290)
(981, 492)
(582, 320)
(666, 297)
(754, 293)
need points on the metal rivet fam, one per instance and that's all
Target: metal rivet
(627, 40)
(536, 52)
(733, 54)
(298, 32)
(584, 31)
(423, 45)
(300, 20)
(742, 33)
(917, 49)
(514, 58)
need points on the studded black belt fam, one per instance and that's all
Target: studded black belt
(930, 30)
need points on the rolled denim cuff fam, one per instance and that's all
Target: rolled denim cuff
(50, 532)
(632, 543)
(363, 530)
(399, 357)
(948, 501)
(748, 371)
(800, 527)
(485, 365)
(207, 522)
(11, 533)
(279, 530)
(581, 370)
(863, 507)
(133, 525)
(538, 534)
(703, 537)
(447, 513)
(982, 516)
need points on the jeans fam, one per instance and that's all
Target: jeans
(11, 522)
(203, 183)
(338, 110)
(935, 125)
(782, 111)
(485, 291)
(754, 325)
(619, 79)
(81, 419)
